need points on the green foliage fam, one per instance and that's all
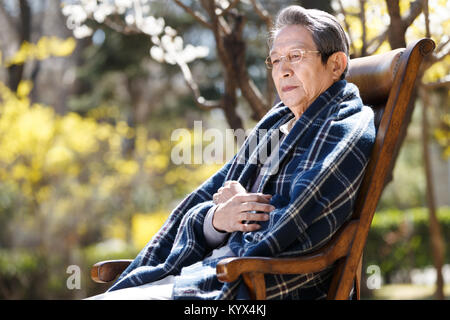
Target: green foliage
(407, 190)
(400, 239)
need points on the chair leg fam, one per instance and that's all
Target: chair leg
(332, 291)
(357, 295)
(256, 285)
(335, 280)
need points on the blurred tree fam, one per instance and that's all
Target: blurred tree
(17, 30)
(223, 25)
(24, 23)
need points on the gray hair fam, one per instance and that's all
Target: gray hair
(327, 33)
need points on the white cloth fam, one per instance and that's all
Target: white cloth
(158, 290)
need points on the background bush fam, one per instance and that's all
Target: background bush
(399, 240)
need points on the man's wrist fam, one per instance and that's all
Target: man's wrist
(213, 236)
(212, 220)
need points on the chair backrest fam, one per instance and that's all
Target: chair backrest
(386, 82)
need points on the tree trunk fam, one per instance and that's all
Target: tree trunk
(437, 243)
(324, 5)
(396, 33)
(15, 72)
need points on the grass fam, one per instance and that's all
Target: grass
(408, 292)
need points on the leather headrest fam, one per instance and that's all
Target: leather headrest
(374, 75)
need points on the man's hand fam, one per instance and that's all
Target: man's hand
(235, 206)
(229, 189)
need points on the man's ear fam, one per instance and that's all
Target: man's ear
(337, 63)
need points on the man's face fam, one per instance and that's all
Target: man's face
(300, 83)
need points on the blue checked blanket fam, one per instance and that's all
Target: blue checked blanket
(314, 182)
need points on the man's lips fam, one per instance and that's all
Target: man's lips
(288, 88)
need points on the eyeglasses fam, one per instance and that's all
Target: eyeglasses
(294, 56)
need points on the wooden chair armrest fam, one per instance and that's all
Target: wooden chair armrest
(229, 269)
(107, 271)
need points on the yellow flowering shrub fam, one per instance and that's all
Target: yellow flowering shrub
(72, 167)
(47, 158)
(67, 184)
(43, 49)
(144, 226)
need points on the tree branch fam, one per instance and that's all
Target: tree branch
(237, 50)
(347, 26)
(442, 45)
(219, 27)
(436, 57)
(232, 5)
(9, 35)
(118, 26)
(263, 14)
(196, 15)
(378, 40)
(200, 101)
(415, 9)
(254, 97)
(398, 25)
(263, 103)
(441, 83)
(427, 19)
(222, 34)
(363, 25)
(396, 29)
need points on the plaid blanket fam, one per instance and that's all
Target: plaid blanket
(314, 182)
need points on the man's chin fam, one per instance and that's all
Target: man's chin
(292, 102)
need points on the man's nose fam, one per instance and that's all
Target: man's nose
(286, 69)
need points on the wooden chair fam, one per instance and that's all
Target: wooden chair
(386, 82)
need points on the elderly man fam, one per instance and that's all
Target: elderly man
(291, 203)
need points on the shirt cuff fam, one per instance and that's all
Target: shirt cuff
(212, 235)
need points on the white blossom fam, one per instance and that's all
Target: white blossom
(129, 19)
(152, 26)
(170, 31)
(75, 15)
(166, 43)
(171, 57)
(190, 53)
(82, 31)
(178, 43)
(123, 5)
(157, 53)
(145, 9)
(156, 40)
(102, 12)
(201, 51)
(168, 46)
(223, 3)
(89, 6)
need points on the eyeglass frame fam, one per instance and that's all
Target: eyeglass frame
(269, 63)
